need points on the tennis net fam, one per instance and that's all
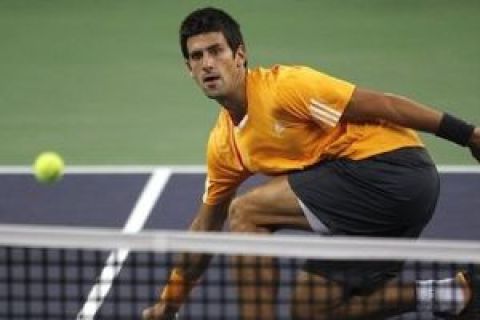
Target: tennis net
(79, 273)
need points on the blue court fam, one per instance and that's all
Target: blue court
(137, 198)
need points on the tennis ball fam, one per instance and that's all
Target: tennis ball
(48, 167)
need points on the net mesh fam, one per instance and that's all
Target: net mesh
(57, 273)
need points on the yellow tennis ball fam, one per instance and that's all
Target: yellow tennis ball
(48, 167)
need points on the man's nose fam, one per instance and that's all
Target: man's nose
(208, 61)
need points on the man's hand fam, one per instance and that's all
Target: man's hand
(160, 311)
(474, 144)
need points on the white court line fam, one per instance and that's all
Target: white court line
(458, 169)
(135, 223)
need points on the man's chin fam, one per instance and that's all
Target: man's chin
(212, 94)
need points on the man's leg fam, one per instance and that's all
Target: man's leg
(319, 298)
(274, 206)
(264, 209)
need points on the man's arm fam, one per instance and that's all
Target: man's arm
(189, 267)
(208, 218)
(367, 106)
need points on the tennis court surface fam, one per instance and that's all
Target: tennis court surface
(112, 278)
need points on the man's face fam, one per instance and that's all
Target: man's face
(213, 65)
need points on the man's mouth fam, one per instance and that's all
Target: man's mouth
(210, 79)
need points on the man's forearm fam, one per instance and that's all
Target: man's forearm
(208, 218)
(370, 106)
(190, 267)
(411, 114)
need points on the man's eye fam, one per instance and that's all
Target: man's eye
(196, 56)
(215, 51)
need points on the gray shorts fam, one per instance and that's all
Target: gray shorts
(393, 194)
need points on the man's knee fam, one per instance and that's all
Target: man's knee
(239, 218)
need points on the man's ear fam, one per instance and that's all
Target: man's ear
(241, 55)
(189, 67)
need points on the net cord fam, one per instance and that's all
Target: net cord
(283, 245)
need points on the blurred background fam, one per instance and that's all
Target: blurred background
(103, 81)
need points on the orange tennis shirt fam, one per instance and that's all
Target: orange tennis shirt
(292, 122)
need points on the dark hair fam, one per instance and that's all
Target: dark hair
(210, 20)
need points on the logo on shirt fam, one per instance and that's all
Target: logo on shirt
(278, 127)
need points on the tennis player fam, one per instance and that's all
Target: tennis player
(344, 160)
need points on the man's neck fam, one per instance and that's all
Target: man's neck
(236, 104)
(236, 112)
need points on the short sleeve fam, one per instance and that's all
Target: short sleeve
(311, 95)
(225, 171)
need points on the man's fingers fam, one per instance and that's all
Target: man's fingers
(475, 150)
(475, 144)
(158, 312)
(147, 314)
(152, 313)
(476, 153)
